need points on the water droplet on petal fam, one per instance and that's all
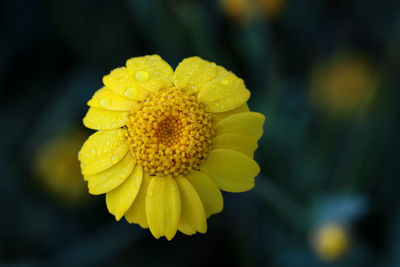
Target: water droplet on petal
(114, 159)
(224, 82)
(149, 193)
(93, 152)
(142, 76)
(105, 102)
(131, 93)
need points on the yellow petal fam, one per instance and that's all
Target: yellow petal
(216, 117)
(193, 73)
(111, 178)
(208, 191)
(102, 119)
(150, 72)
(137, 212)
(102, 150)
(106, 99)
(224, 93)
(246, 123)
(124, 84)
(193, 217)
(237, 142)
(120, 199)
(163, 206)
(232, 171)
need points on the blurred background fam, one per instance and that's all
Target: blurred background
(324, 73)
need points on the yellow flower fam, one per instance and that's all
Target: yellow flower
(169, 141)
(331, 240)
(344, 85)
(235, 9)
(244, 10)
(57, 168)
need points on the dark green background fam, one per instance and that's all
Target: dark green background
(314, 168)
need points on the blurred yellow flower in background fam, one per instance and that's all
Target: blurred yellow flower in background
(272, 8)
(58, 169)
(344, 85)
(330, 241)
(244, 10)
(168, 142)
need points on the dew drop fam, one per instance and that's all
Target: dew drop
(93, 152)
(142, 76)
(114, 159)
(131, 93)
(149, 193)
(105, 102)
(224, 82)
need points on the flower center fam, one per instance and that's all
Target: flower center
(169, 133)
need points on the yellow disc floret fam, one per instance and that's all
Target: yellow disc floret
(169, 133)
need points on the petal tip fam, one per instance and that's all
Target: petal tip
(170, 237)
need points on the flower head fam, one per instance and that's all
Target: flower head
(343, 85)
(247, 10)
(168, 142)
(330, 241)
(57, 168)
